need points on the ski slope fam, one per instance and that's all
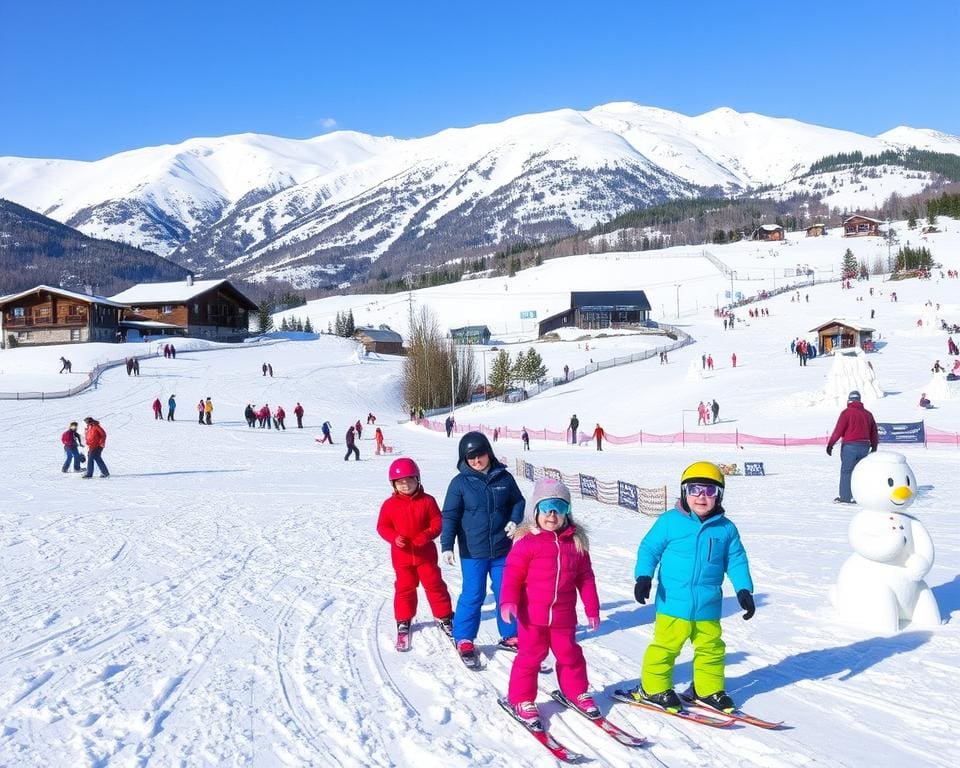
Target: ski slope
(223, 599)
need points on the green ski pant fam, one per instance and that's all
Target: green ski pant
(669, 635)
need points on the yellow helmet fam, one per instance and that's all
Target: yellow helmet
(704, 472)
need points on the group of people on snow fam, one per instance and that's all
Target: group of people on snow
(707, 410)
(537, 561)
(96, 440)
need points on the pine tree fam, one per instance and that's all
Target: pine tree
(519, 368)
(536, 371)
(350, 327)
(300, 324)
(264, 317)
(308, 326)
(283, 324)
(849, 267)
(501, 373)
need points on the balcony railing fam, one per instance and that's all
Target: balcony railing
(41, 322)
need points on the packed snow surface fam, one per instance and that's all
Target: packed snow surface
(223, 598)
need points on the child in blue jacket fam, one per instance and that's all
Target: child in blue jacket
(481, 511)
(694, 546)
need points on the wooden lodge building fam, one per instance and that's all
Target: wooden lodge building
(47, 315)
(383, 340)
(816, 230)
(600, 309)
(202, 309)
(859, 226)
(768, 232)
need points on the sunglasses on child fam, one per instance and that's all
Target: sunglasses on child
(695, 489)
(553, 506)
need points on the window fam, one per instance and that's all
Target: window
(18, 312)
(74, 334)
(168, 309)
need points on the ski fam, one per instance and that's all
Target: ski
(540, 734)
(470, 660)
(617, 733)
(738, 714)
(691, 717)
(403, 641)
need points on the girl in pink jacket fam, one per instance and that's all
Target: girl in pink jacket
(546, 568)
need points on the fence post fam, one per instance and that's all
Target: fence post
(737, 431)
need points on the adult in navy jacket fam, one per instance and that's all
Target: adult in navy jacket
(481, 511)
(857, 428)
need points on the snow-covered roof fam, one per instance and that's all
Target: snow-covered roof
(380, 334)
(770, 227)
(86, 297)
(840, 321)
(177, 291)
(865, 218)
(148, 324)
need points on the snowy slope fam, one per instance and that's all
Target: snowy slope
(223, 599)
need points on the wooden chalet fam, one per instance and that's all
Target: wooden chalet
(768, 232)
(837, 335)
(202, 309)
(600, 309)
(816, 230)
(859, 226)
(47, 315)
(383, 340)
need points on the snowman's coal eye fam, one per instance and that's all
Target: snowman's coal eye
(908, 482)
(890, 481)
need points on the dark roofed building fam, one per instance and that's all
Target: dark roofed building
(600, 309)
(383, 340)
(857, 226)
(768, 232)
(47, 315)
(471, 334)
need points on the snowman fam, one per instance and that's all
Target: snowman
(881, 585)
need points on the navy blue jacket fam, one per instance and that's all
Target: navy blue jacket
(477, 508)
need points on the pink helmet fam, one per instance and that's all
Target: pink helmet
(404, 467)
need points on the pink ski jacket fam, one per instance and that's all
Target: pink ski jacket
(544, 573)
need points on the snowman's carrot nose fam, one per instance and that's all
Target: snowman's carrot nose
(901, 493)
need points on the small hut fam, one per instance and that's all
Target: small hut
(383, 340)
(839, 334)
(859, 226)
(768, 232)
(816, 230)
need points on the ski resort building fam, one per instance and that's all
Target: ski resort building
(203, 309)
(838, 335)
(47, 315)
(384, 340)
(471, 334)
(600, 309)
(768, 232)
(858, 226)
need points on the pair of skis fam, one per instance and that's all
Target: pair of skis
(697, 711)
(557, 749)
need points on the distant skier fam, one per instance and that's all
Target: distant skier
(325, 429)
(208, 411)
(96, 438)
(157, 409)
(525, 437)
(66, 366)
(359, 429)
(71, 447)
(378, 439)
(599, 434)
(574, 423)
(278, 417)
(298, 412)
(171, 407)
(448, 425)
(250, 415)
(715, 409)
(201, 409)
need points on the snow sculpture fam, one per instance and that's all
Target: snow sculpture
(881, 585)
(851, 370)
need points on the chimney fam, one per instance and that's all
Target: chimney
(190, 278)
(88, 289)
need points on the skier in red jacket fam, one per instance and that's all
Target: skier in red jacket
(409, 521)
(857, 428)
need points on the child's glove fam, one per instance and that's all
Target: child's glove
(593, 622)
(448, 557)
(508, 611)
(401, 541)
(641, 590)
(510, 528)
(746, 602)
(829, 450)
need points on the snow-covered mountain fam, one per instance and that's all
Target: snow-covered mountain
(319, 209)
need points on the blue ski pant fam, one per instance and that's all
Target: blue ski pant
(466, 618)
(850, 455)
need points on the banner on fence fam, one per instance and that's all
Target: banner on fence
(588, 486)
(753, 468)
(528, 471)
(909, 432)
(627, 495)
(556, 474)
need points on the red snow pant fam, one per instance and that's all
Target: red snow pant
(534, 643)
(409, 577)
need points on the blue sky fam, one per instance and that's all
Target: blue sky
(84, 80)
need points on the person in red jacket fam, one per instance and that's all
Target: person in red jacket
(599, 434)
(71, 447)
(157, 409)
(278, 416)
(378, 437)
(547, 567)
(857, 429)
(409, 521)
(298, 412)
(96, 438)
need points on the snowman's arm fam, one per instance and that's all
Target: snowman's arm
(921, 561)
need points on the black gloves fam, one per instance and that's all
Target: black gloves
(641, 590)
(829, 450)
(746, 602)
(873, 449)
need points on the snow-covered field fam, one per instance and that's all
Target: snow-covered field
(223, 599)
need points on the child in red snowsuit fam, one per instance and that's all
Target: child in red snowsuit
(378, 436)
(546, 568)
(409, 521)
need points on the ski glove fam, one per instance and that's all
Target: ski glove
(448, 557)
(746, 602)
(401, 541)
(641, 590)
(593, 622)
(510, 528)
(873, 449)
(829, 450)
(508, 611)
